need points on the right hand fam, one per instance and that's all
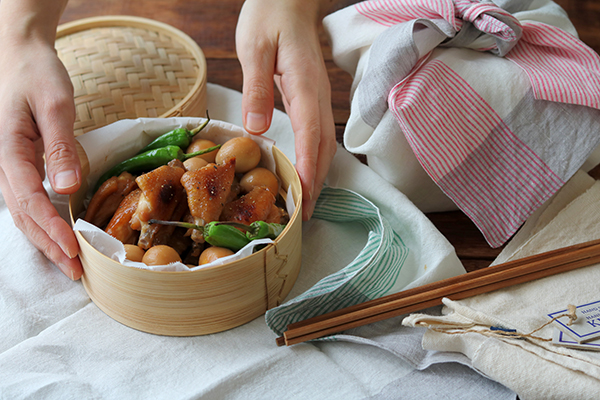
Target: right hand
(279, 40)
(37, 112)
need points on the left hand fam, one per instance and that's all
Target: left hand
(36, 117)
(279, 40)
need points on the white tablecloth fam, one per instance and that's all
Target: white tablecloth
(56, 344)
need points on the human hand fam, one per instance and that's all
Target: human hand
(280, 39)
(36, 116)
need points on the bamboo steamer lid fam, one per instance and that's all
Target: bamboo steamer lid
(125, 67)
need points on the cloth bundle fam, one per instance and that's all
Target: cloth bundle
(490, 107)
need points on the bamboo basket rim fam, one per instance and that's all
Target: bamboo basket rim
(128, 21)
(263, 250)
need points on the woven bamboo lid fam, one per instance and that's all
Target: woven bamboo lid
(126, 67)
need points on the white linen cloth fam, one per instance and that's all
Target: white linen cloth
(534, 369)
(486, 106)
(56, 344)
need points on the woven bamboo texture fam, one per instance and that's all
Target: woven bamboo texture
(128, 67)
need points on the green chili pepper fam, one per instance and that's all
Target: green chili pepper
(150, 160)
(214, 233)
(180, 137)
(262, 229)
(258, 229)
(224, 236)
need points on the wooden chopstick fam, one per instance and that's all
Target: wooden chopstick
(458, 287)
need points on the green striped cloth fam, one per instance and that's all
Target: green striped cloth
(370, 275)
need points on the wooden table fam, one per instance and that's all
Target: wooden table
(211, 23)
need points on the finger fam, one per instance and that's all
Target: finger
(55, 124)
(308, 103)
(39, 158)
(71, 267)
(54, 118)
(327, 150)
(258, 64)
(303, 109)
(29, 194)
(286, 104)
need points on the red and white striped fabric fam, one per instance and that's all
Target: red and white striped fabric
(498, 102)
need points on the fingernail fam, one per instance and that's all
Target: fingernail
(65, 179)
(67, 271)
(309, 208)
(308, 195)
(71, 256)
(255, 122)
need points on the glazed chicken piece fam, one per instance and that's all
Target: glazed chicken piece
(277, 215)
(235, 190)
(207, 190)
(164, 235)
(161, 194)
(119, 226)
(107, 198)
(253, 206)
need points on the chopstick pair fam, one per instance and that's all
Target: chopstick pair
(455, 288)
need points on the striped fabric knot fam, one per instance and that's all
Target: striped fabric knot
(560, 67)
(488, 18)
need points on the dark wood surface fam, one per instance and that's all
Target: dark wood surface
(212, 23)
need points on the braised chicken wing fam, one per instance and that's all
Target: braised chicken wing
(107, 198)
(162, 192)
(253, 206)
(207, 190)
(277, 215)
(119, 226)
(165, 235)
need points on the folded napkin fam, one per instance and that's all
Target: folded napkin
(490, 107)
(533, 368)
(399, 247)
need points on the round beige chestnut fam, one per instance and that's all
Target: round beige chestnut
(245, 151)
(160, 255)
(194, 163)
(259, 177)
(210, 254)
(201, 144)
(134, 253)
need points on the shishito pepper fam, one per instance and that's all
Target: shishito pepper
(180, 137)
(214, 233)
(224, 236)
(258, 229)
(227, 234)
(150, 160)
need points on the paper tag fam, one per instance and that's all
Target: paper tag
(587, 325)
(559, 338)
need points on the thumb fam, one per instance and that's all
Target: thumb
(62, 162)
(258, 65)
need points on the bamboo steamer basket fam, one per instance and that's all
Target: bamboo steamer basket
(203, 301)
(125, 67)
